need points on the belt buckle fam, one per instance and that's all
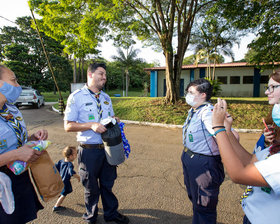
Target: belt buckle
(189, 152)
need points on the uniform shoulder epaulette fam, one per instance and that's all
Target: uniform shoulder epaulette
(76, 91)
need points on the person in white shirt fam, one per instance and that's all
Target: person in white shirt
(261, 170)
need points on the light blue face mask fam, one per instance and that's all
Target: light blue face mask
(10, 92)
(276, 114)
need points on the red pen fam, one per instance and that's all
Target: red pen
(265, 124)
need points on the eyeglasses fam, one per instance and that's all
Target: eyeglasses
(271, 88)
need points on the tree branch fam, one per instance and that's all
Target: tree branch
(156, 28)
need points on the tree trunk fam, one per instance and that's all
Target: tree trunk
(75, 71)
(123, 86)
(214, 68)
(82, 71)
(171, 95)
(127, 82)
(79, 71)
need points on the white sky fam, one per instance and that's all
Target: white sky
(11, 9)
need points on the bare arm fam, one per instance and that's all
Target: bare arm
(244, 156)
(239, 171)
(77, 177)
(72, 126)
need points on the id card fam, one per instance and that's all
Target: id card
(190, 137)
(90, 117)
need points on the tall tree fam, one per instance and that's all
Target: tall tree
(128, 60)
(211, 40)
(21, 51)
(73, 25)
(164, 24)
(167, 24)
(261, 17)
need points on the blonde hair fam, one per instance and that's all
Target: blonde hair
(68, 151)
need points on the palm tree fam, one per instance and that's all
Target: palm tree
(211, 42)
(128, 60)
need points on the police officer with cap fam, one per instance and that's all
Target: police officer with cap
(85, 109)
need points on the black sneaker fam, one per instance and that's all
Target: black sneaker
(58, 209)
(120, 219)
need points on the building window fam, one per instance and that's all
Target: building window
(264, 79)
(248, 80)
(235, 80)
(222, 79)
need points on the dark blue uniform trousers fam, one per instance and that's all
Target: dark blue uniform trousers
(97, 177)
(203, 176)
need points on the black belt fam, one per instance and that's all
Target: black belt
(192, 154)
(92, 146)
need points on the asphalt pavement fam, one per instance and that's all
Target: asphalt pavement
(149, 187)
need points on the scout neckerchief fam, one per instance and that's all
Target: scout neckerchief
(275, 148)
(20, 133)
(98, 103)
(188, 121)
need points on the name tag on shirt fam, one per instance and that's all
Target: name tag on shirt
(190, 137)
(91, 117)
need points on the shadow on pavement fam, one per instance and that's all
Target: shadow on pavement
(70, 213)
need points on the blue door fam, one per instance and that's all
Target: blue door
(181, 87)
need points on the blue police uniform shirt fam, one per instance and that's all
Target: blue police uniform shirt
(199, 134)
(8, 138)
(82, 107)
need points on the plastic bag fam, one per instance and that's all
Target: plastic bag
(18, 167)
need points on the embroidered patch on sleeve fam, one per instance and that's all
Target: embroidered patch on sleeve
(3, 144)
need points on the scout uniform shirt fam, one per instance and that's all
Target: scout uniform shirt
(82, 107)
(198, 133)
(8, 137)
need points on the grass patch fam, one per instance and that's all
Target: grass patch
(247, 112)
(51, 97)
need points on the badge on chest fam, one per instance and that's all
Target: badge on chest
(3, 144)
(190, 137)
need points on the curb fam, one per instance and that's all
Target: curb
(172, 125)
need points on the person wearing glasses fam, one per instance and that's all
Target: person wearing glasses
(260, 171)
(271, 89)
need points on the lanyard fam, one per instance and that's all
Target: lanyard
(188, 121)
(96, 97)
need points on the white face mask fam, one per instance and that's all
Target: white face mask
(190, 99)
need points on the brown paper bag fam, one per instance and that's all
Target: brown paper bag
(46, 177)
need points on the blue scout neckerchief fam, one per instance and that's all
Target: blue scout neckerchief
(126, 145)
(20, 133)
(190, 115)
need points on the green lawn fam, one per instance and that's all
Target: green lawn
(51, 97)
(247, 112)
